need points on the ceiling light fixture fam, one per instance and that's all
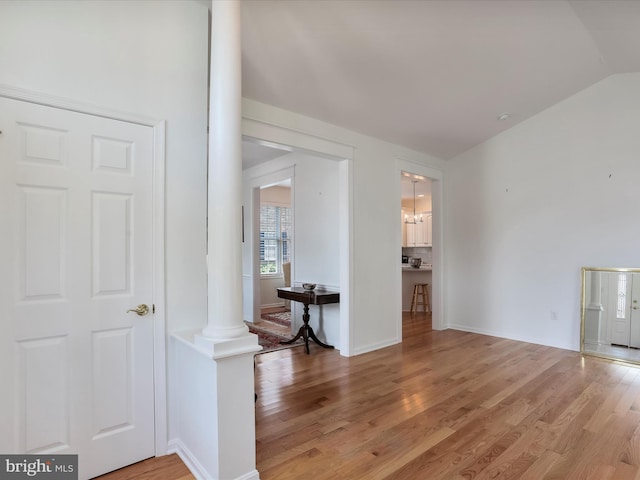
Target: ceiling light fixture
(415, 218)
(503, 116)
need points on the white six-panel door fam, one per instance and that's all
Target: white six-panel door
(75, 254)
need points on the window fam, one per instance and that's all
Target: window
(275, 238)
(622, 295)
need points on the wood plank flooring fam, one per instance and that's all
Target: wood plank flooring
(168, 467)
(442, 405)
(446, 405)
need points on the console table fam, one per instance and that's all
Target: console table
(308, 297)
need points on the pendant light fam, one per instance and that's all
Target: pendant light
(415, 218)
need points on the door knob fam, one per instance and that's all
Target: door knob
(141, 310)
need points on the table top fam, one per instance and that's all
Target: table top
(310, 297)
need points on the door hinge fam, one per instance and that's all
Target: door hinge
(153, 308)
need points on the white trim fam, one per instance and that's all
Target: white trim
(375, 346)
(313, 144)
(420, 169)
(345, 225)
(274, 176)
(217, 349)
(512, 336)
(271, 276)
(272, 305)
(275, 204)
(73, 105)
(159, 325)
(158, 193)
(189, 459)
(255, 183)
(176, 446)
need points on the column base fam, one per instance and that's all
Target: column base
(214, 349)
(213, 405)
(223, 333)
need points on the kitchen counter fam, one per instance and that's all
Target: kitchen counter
(423, 268)
(411, 276)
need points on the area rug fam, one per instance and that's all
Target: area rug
(270, 335)
(281, 318)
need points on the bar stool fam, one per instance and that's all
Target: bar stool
(421, 298)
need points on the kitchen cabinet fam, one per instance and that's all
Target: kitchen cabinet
(418, 234)
(404, 230)
(410, 236)
(428, 227)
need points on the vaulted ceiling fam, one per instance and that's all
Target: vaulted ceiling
(432, 75)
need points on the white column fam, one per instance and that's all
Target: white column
(225, 176)
(593, 326)
(215, 415)
(595, 295)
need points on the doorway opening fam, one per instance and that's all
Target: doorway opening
(292, 200)
(420, 237)
(275, 240)
(417, 244)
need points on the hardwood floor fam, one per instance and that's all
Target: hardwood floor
(444, 405)
(168, 467)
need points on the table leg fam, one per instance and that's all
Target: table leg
(306, 332)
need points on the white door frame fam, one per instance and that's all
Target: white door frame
(319, 146)
(437, 292)
(158, 278)
(255, 184)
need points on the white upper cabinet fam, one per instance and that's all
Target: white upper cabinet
(410, 235)
(418, 234)
(428, 228)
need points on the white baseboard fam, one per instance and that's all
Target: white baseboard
(197, 470)
(250, 476)
(375, 346)
(192, 463)
(510, 336)
(272, 305)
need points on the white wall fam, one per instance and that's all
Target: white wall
(276, 195)
(148, 58)
(268, 292)
(526, 209)
(316, 247)
(144, 57)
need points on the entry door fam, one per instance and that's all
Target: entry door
(75, 255)
(624, 309)
(634, 337)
